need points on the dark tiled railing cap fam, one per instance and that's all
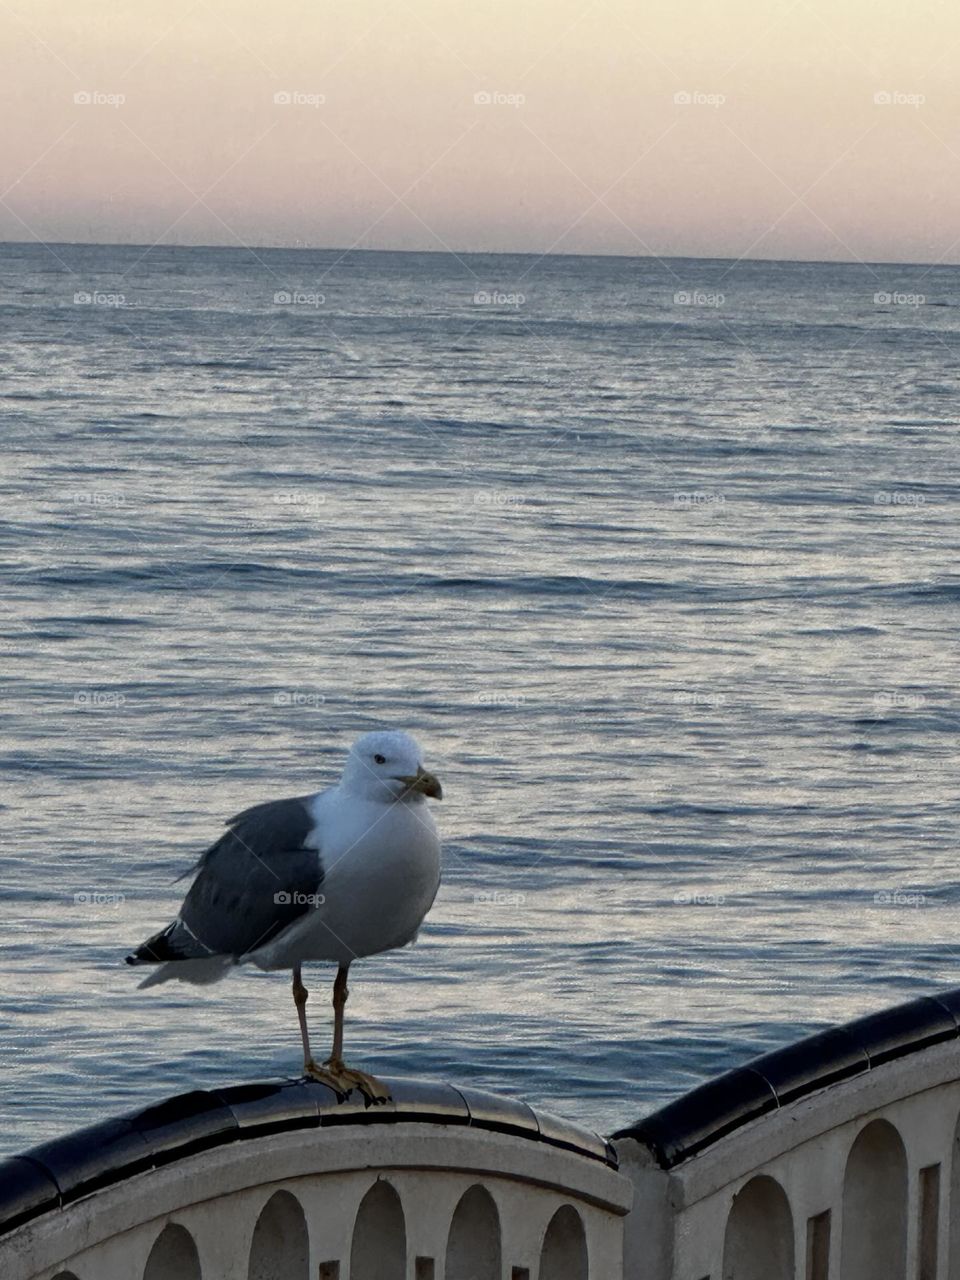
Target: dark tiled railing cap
(56, 1173)
(710, 1112)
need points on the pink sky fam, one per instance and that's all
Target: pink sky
(792, 129)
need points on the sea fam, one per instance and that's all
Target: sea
(658, 559)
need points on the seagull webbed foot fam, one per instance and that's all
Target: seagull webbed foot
(343, 1079)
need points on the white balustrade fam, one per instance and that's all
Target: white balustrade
(836, 1159)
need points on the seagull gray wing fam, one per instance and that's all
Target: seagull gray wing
(257, 879)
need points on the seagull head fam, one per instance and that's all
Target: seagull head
(387, 765)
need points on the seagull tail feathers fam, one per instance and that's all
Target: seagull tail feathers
(178, 954)
(199, 972)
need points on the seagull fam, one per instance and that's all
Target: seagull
(340, 874)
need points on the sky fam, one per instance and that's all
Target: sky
(811, 129)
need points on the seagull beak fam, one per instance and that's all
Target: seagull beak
(426, 783)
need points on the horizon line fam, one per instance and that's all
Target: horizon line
(476, 253)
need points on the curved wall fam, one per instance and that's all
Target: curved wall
(358, 1197)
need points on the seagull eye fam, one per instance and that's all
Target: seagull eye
(379, 759)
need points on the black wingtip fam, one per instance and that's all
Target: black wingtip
(158, 949)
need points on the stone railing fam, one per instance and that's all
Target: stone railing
(282, 1182)
(833, 1159)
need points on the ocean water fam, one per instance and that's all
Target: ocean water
(658, 559)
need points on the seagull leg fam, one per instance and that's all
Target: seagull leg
(310, 1068)
(340, 994)
(300, 994)
(347, 1077)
